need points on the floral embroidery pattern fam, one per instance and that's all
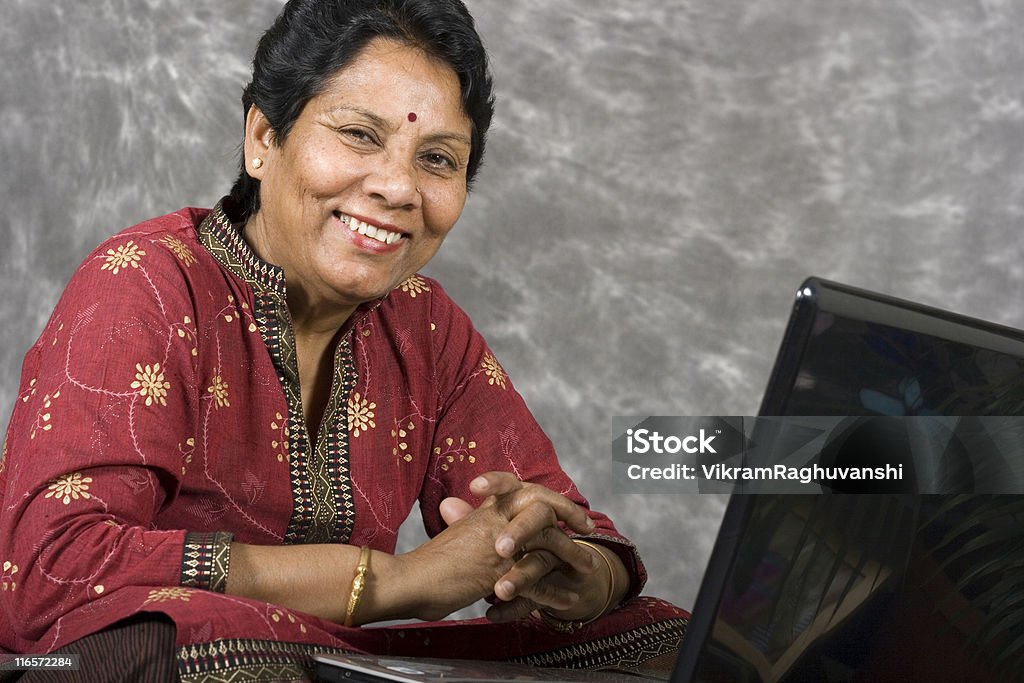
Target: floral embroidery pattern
(164, 594)
(128, 254)
(7, 581)
(219, 390)
(30, 392)
(495, 373)
(360, 414)
(401, 449)
(232, 314)
(248, 314)
(70, 486)
(187, 450)
(232, 310)
(183, 253)
(150, 383)
(43, 422)
(415, 285)
(280, 426)
(277, 614)
(460, 452)
(60, 328)
(185, 330)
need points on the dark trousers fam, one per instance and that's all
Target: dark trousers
(140, 648)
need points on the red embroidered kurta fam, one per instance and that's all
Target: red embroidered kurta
(159, 417)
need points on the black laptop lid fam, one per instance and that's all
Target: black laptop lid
(798, 587)
(847, 351)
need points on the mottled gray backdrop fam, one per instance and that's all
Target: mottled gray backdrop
(661, 176)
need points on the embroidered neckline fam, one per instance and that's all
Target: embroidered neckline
(323, 508)
(236, 254)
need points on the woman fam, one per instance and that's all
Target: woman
(231, 412)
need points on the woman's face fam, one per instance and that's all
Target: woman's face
(368, 182)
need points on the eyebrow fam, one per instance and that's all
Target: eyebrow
(383, 123)
(454, 137)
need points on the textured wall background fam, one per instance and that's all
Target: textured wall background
(661, 176)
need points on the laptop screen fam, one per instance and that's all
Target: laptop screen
(808, 582)
(851, 352)
(833, 587)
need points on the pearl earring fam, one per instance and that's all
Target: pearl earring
(257, 162)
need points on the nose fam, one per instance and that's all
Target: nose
(393, 181)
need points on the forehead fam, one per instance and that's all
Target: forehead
(393, 80)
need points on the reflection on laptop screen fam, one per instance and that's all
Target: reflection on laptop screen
(851, 352)
(810, 579)
(829, 588)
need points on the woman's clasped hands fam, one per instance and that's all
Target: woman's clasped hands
(514, 550)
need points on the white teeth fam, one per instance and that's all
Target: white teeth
(379, 234)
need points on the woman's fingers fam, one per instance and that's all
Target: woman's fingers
(453, 509)
(535, 526)
(550, 592)
(523, 527)
(530, 508)
(459, 563)
(519, 608)
(537, 581)
(530, 569)
(530, 560)
(534, 577)
(494, 484)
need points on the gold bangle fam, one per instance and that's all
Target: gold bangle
(358, 584)
(570, 625)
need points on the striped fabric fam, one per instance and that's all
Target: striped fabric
(140, 648)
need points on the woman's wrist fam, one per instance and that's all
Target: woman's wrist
(317, 579)
(395, 590)
(611, 590)
(358, 585)
(623, 578)
(606, 589)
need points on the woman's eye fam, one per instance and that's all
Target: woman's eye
(359, 135)
(440, 162)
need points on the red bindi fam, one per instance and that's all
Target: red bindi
(412, 116)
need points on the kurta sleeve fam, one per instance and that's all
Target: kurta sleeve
(483, 424)
(93, 447)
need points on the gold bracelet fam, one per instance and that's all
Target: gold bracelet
(358, 584)
(570, 625)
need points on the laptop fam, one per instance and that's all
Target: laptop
(378, 669)
(796, 586)
(805, 588)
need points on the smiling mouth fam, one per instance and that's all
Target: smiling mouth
(371, 231)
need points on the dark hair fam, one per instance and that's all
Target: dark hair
(311, 40)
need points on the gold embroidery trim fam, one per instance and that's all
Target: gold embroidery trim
(206, 558)
(244, 659)
(626, 650)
